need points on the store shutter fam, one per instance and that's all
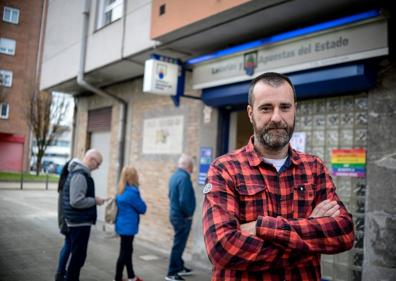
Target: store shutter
(99, 119)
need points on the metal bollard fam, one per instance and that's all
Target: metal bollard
(22, 180)
(46, 181)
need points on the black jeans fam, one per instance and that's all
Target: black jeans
(125, 258)
(79, 237)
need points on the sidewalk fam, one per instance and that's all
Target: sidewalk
(149, 263)
(28, 185)
(30, 242)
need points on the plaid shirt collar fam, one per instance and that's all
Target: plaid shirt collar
(255, 158)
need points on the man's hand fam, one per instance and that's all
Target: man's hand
(99, 200)
(326, 208)
(249, 227)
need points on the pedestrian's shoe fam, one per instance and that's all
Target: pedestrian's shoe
(185, 272)
(176, 277)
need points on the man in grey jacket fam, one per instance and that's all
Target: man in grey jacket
(79, 203)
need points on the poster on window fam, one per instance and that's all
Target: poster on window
(298, 141)
(348, 162)
(205, 158)
(163, 135)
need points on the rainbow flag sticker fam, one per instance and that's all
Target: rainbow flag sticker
(348, 162)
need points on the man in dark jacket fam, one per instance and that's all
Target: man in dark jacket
(79, 204)
(182, 205)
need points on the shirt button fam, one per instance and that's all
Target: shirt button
(301, 187)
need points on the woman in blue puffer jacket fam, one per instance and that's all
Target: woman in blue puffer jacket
(130, 206)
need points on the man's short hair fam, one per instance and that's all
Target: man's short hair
(184, 161)
(272, 79)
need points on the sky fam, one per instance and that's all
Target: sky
(69, 116)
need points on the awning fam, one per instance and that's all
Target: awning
(310, 84)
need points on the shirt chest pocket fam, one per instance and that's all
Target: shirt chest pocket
(303, 198)
(252, 201)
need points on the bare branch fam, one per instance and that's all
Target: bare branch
(45, 116)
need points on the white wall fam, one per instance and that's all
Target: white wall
(62, 38)
(138, 24)
(61, 42)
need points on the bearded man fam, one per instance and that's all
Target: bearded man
(270, 211)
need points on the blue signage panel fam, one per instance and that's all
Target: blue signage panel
(205, 158)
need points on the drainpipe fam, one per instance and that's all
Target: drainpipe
(73, 141)
(83, 83)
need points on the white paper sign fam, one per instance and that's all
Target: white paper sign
(163, 135)
(298, 141)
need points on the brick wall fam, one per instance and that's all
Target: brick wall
(154, 170)
(23, 66)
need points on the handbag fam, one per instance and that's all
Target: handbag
(111, 211)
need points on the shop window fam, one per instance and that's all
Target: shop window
(11, 15)
(109, 11)
(7, 46)
(4, 110)
(5, 78)
(339, 123)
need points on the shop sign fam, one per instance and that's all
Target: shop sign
(348, 162)
(343, 44)
(205, 158)
(163, 135)
(160, 77)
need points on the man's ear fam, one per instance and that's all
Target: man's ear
(250, 113)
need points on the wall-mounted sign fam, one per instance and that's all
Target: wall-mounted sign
(163, 135)
(160, 77)
(250, 62)
(348, 162)
(339, 45)
(205, 158)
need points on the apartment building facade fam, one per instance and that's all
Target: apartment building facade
(337, 54)
(20, 28)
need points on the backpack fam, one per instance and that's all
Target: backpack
(62, 179)
(63, 175)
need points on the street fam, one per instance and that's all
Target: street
(30, 242)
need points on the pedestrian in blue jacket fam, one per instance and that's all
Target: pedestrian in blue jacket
(130, 206)
(182, 206)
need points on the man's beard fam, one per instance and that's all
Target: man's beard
(271, 138)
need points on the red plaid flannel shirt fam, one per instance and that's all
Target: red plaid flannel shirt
(288, 244)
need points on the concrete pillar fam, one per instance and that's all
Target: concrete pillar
(208, 138)
(380, 221)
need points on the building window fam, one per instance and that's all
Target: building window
(4, 110)
(109, 11)
(11, 15)
(5, 78)
(162, 9)
(7, 46)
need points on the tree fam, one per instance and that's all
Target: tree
(45, 115)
